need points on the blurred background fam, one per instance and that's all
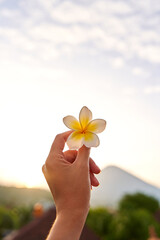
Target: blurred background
(56, 57)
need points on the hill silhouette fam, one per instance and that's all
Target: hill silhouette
(115, 183)
(14, 197)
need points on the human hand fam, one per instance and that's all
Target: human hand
(70, 176)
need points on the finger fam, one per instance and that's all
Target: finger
(70, 155)
(59, 142)
(94, 181)
(83, 155)
(93, 167)
(44, 168)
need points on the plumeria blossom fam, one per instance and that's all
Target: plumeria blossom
(84, 130)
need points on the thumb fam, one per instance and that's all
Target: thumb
(83, 155)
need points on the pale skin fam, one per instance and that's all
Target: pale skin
(70, 177)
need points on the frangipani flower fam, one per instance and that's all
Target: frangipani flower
(84, 130)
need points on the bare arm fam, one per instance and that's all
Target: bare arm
(67, 226)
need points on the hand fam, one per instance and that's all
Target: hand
(70, 176)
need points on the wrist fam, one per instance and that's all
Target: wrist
(68, 225)
(72, 214)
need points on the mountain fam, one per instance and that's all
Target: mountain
(14, 197)
(115, 183)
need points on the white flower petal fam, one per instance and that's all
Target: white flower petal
(75, 140)
(91, 140)
(85, 117)
(72, 123)
(96, 126)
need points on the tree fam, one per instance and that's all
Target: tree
(14, 218)
(131, 221)
(99, 220)
(132, 225)
(138, 201)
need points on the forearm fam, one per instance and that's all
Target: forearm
(67, 226)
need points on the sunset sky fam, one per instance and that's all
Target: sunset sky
(58, 56)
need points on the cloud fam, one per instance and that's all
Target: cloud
(140, 72)
(55, 28)
(8, 13)
(152, 89)
(71, 12)
(150, 52)
(110, 7)
(130, 91)
(146, 6)
(118, 62)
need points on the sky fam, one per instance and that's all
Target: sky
(58, 56)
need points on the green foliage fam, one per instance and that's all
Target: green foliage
(14, 218)
(21, 216)
(132, 225)
(130, 222)
(138, 201)
(5, 219)
(99, 220)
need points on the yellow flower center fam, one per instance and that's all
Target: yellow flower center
(83, 130)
